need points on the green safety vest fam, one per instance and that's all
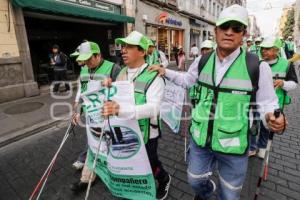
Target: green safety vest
(141, 84)
(279, 71)
(103, 71)
(223, 127)
(290, 45)
(194, 92)
(256, 50)
(153, 59)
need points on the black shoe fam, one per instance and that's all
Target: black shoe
(163, 188)
(80, 186)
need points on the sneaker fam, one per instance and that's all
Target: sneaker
(163, 188)
(78, 165)
(197, 197)
(252, 153)
(261, 153)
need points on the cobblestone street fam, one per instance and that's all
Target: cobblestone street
(23, 163)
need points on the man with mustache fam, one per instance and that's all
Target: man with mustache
(231, 81)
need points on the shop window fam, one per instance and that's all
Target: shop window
(151, 32)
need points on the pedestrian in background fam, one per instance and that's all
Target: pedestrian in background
(181, 59)
(59, 62)
(194, 51)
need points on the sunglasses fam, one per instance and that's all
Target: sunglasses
(236, 27)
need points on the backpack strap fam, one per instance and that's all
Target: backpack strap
(203, 60)
(252, 62)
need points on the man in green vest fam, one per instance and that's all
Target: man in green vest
(285, 80)
(290, 47)
(221, 120)
(96, 69)
(249, 43)
(152, 57)
(255, 48)
(148, 93)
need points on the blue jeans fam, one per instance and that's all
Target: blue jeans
(262, 138)
(232, 172)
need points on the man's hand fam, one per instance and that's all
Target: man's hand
(75, 118)
(278, 83)
(276, 125)
(110, 108)
(161, 70)
(107, 82)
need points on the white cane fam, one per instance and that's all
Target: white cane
(94, 165)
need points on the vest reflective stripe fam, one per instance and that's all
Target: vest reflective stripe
(230, 142)
(140, 86)
(280, 74)
(227, 82)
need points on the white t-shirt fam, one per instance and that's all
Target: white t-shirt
(194, 51)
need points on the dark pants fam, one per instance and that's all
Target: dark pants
(60, 75)
(157, 169)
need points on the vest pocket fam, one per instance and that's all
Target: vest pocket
(197, 132)
(230, 137)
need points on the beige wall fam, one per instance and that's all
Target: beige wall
(8, 41)
(283, 19)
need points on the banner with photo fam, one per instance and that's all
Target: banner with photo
(123, 164)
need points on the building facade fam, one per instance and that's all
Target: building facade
(297, 24)
(253, 30)
(283, 19)
(160, 21)
(30, 28)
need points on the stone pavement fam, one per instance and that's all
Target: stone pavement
(23, 163)
(27, 116)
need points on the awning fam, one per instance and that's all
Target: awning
(59, 7)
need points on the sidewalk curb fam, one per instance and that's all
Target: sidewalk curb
(29, 131)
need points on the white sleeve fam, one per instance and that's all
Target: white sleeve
(164, 60)
(184, 79)
(151, 108)
(266, 98)
(282, 53)
(289, 85)
(77, 98)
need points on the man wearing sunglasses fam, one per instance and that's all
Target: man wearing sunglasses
(230, 81)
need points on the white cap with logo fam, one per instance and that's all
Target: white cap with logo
(233, 13)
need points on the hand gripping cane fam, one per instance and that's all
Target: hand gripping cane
(264, 169)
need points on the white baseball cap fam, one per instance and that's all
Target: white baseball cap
(134, 38)
(250, 39)
(271, 42)
(258, 39)
(207, 44)
(233, 13)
